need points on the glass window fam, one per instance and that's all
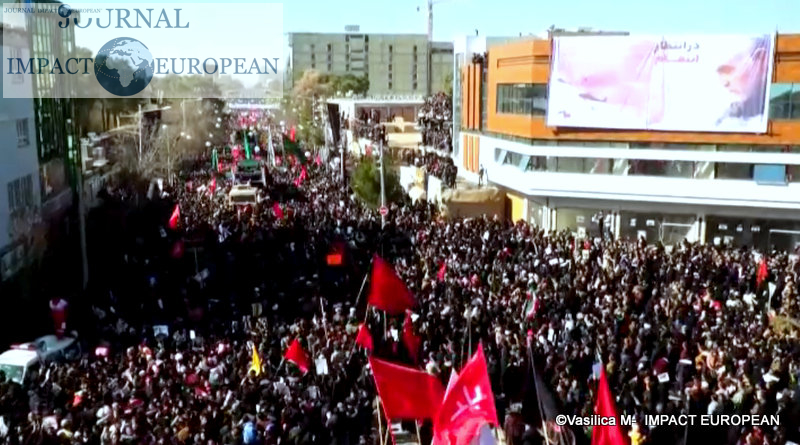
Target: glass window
(783, 96)
(793, 173)
(512, 158)
(523, 98)
(570, 165)
(673, 169)
(23, 133)
(536, 163)
(730, 170)
(599, 166)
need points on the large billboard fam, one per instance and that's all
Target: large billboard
(674, 83)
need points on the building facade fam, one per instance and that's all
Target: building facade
(395, 64)
(40, 155)
(741, 188)
(19, 171)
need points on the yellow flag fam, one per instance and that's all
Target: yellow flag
(256, 365)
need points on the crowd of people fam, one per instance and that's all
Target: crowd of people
(680, 330)
(434, 164)
(435, 119)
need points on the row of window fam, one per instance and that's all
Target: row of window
(773, 174)
(531, 99)
(652, 145)
(20, 193)
(523, 98)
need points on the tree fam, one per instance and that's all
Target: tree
(348, 83)
(366, 182)
(447, 85)
(306, 107)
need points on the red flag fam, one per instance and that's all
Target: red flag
(419, 398)
(303, 173)
(604, 406)
(176, 215)
(297, 355)
(213, 186)
(468, 406)
(318, 161)
(762, 273)
(292, 133)
(276, 208)
(364, 338)
(387, 291)
(410, 339)
(442, 271)
(368, 151)
(177, 249)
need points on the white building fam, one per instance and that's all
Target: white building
(19, 169)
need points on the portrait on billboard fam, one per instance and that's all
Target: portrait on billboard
(706, 83)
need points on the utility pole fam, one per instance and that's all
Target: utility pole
(383, 187)
(429, 70)
(140, 134)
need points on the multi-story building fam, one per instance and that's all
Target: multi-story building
(19, 170)
(664, 185)
(40, 154)
(395, 64)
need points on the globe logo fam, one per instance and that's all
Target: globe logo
(124, 66)
(64, 10)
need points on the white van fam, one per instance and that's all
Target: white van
(244, 195)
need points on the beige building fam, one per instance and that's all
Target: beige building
(395, 64)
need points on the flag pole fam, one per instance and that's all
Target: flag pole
(419, 436)
(380, 424)
(363, 284)
(538, 395)
(469, 334)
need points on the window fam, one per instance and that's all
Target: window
(524, 98)
(20, 193)
(390, 50)
(390, 84)
(15, 53)
(390, 76)
(390, 66)
(784, 102)
(414, 86)
(536, 163)
(730, 170)
(23, 133)
(672, 169)
(330, 47)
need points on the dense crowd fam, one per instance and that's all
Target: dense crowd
(695, 312)
(435, 119)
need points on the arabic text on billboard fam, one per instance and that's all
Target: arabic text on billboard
(706, 83)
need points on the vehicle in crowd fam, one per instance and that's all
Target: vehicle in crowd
(18, 362)
(244, 195)
(249, 171)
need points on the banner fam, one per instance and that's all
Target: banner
(674, 83)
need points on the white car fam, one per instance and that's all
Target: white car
(18, 361)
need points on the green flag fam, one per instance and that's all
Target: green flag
(246, 144)
(292, 148)
(214, 159)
